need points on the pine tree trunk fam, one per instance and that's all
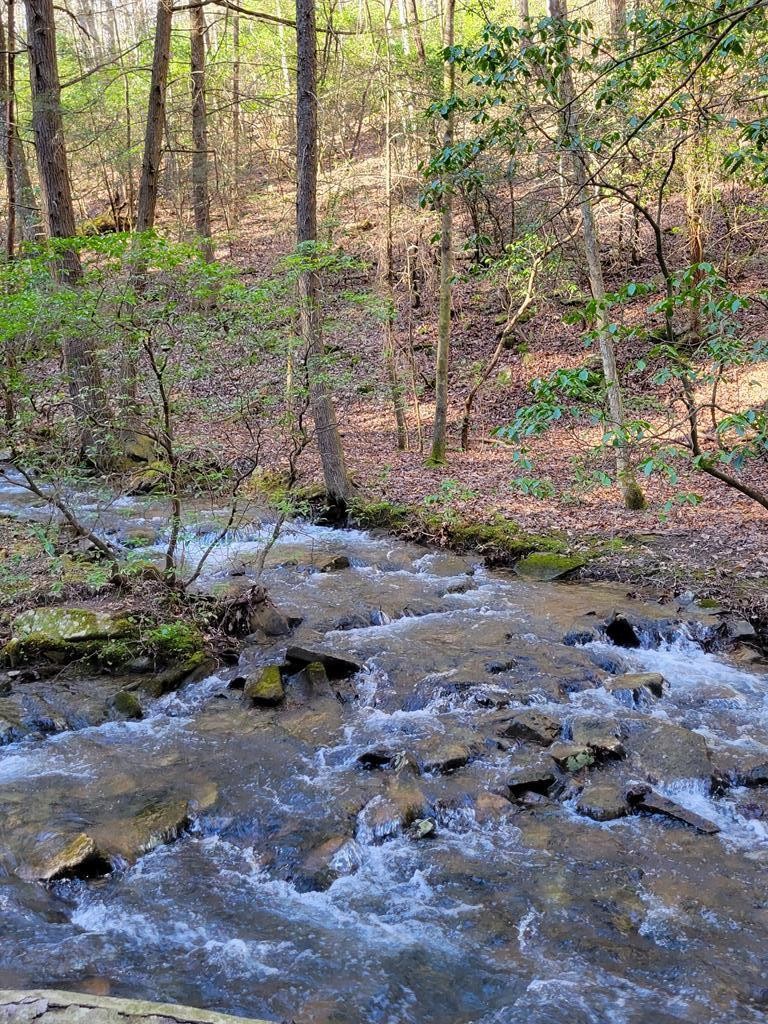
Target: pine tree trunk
(442, 366)
(200, 197)
(328, 439)
(153, 139)
(633, 495)
(89, 402)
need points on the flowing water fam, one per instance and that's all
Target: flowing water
(291, 898)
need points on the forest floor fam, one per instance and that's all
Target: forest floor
(716, 547)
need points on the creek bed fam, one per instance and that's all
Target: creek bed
(293, 896)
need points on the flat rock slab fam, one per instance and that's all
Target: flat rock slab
(47, 1006)
(662, 752)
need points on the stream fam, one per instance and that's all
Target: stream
(297, 894)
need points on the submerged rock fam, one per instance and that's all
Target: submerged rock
(318, 870)
(533, 726)
(386, 815)
(602, 801)
(333, 563)
(492, 807)
(265, 687)
(643, 798)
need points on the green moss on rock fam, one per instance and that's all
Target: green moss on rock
(265, 687)
(173, 641)
(548, 565)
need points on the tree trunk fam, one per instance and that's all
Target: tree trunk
(89, 402)
(8, 87)
(440, 427)
(235, 102)
(617, 16)
(328, 439)
(522, 10)
(153, 139)
(200, 198)
(390, 360)
(633, 495)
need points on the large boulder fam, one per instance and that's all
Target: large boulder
(62, 634)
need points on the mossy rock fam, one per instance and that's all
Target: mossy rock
(197, 666)
(545, 565)
(173, 642)
(64, 634)
(127, 704)
(265, 687)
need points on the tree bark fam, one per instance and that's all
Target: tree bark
(8, 87)
(86, 389)
(390, 361)
(337, 482)
(200, 197)
(153, 139)
(522, 10)
(617, 18)
(572, 143)
(235, 102)
(442, 366)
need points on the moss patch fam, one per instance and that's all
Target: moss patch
(548, 565)
(500, 541)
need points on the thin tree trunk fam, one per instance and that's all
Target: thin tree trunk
(235, 102)
(617, 15)
(522, 10)
(390, 361)
(153, 139)
(337, 482)
(89, 402)
(200, 198)
(633, 495)
(440, 427)
(8, 86)
(417, 33)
